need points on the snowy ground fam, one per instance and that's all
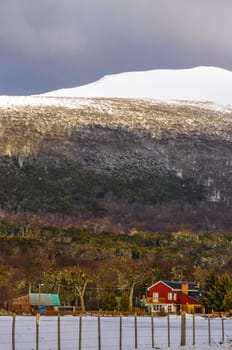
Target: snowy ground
(25, 333)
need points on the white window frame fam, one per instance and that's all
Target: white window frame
(155, 297)
(169, 296)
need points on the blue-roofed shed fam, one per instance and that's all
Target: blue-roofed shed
(48, 303)
(44, 299)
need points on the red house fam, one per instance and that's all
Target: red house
(174, 296)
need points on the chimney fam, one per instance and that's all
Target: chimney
(184, 288)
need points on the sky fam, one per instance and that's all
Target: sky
(50, 44)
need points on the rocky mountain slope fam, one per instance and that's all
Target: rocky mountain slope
(137, 163)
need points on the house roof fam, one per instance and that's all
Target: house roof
(44, 299)
(177, 285)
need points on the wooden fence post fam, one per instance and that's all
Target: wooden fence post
(136, 333)
(209, 330)
(223, 330)
(80, 331)
(58, 332)
(183, 329)
(152, 332)
(13, 333)
(99, 332)
(37, 331)
(194, 329)
(120, 332)
(169, 333)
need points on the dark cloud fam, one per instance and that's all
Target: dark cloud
(48, 44)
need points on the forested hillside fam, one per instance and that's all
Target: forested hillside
(59, 258)
(119, 164)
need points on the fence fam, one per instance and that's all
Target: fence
(115, 333)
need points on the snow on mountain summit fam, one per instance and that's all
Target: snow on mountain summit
(203, 87)
(200, 84)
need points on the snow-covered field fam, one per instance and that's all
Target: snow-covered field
(25, 333)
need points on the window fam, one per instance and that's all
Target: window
(169, 308)
(169, 296)
(157, 307)
(155, 297)
(174, 296)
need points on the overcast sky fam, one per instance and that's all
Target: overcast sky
(50, 44)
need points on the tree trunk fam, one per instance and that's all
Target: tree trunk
(131, 296)
(82, 302)
(81, 292)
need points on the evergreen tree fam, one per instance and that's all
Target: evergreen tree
(109, 302)
(227, 302)
(125, 302)
(217, 292)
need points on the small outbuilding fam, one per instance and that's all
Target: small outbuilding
(33, 302)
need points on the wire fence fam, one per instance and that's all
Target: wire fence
(115, 333)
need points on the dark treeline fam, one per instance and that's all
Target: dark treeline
(145, 199)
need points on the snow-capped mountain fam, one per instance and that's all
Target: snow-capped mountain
(203, 87)
(200, 84)
(161, 153)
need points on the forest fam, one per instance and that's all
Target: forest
(93, 270)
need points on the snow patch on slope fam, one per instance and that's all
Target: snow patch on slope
(42, 101)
